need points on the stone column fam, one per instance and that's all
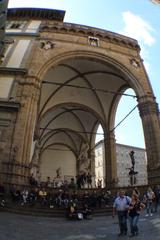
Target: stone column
(28, 95)
(92, 156)
(8, 113)
(110, 160)
(149, 113)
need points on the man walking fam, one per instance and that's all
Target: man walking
(121, 205)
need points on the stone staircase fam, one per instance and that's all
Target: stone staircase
(49, 212)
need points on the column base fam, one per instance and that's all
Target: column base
(154, 176)
(15, 174)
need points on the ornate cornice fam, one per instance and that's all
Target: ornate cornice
(9, 106)
(13, 71)
(21, 34)
(16, 164)
(76, 29)
(35, 13)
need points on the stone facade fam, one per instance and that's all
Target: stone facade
(3, 15)
(123, 165)
(156, 1)
(61, 81)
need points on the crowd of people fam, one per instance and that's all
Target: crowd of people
(82, 203)
(60, 198)
(83, 180)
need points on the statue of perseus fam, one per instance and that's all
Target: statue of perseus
(131, 154)
(132, 173)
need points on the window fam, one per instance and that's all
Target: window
(15, 25)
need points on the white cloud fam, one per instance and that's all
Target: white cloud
(138, 28)
(145, 55)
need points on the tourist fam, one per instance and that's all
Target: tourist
(148, 199)
(135, 207)
(156, 201)
(121, 205)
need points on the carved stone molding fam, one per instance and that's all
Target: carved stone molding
(90, 31)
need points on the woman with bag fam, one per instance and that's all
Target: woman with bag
(135, 207)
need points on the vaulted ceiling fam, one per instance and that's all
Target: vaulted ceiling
(77, 96)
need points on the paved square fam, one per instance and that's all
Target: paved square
(20, 227)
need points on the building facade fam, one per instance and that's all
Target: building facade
(123, 165)
(3, 17)
(156, 1)
(59, 82)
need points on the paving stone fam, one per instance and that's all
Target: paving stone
(21, 227)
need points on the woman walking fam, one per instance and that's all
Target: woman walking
(149, 198)
(135, 207)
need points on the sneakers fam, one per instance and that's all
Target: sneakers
(149, 215)
(132, 235)
(120, 234)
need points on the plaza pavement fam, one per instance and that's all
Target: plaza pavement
(20, 227)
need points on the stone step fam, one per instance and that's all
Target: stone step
(50, 212)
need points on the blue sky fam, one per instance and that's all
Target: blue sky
(138, 19)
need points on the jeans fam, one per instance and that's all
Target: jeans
(122, 218)
(133, 224)
(149, 207)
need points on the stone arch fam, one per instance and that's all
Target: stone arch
(130, 78)
(83, 136)
(114, 64)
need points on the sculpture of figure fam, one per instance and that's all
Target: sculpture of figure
(36, 153)
(58, 172)
(132, 173)
(83, 159)
(131, 154)
(14, 154)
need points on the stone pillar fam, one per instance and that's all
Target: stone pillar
(92, 156)
(149, 113)
(110, 160)
(8, 113)
(27, 94)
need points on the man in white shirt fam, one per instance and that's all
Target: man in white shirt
(120, 206)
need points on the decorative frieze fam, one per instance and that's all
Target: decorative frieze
(90, 31)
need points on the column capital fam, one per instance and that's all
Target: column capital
(30, 80)
(147, 108)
